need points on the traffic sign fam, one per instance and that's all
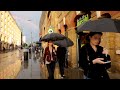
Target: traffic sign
(51, 30)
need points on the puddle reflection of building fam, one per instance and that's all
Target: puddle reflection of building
(26, 64)
(29, 55)
(36, 57)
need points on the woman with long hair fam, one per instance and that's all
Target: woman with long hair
(50, 59)
(93, 58)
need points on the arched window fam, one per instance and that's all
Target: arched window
(49, 13)
(59, 31)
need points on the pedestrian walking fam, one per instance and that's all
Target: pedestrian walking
(49, 59)
(3, 49)
(66, 58)
(93, 58)
(61, 52)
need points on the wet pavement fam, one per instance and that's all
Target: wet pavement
(30, 68)
(9, 64)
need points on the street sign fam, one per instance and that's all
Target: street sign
(51, 30)
(83, 19)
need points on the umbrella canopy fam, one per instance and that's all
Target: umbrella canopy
(38, 42)
(64, 43)
(53, 37)
(100, 25)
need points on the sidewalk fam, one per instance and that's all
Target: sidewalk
(9, 65)
(6, 51)
(73, 73)
(70, 73)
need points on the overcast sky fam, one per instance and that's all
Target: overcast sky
(28, 21)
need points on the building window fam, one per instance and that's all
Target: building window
(44, 28)
(49, 13)
(5, 26)
(105, 15)
(5, 19)
(59, 31)
(58, 26)
(77, 12)
(98, 13)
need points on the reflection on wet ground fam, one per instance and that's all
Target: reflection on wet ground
(70, 73)
(9, 64)
(30, 68)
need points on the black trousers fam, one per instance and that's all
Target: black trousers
(61, 65)
(99, 75)
(51, 69)
(66, 63)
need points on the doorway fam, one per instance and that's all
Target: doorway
(81, 41)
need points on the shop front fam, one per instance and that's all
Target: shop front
(81, 37)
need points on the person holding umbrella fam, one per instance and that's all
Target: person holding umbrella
(50, 55)
(61, 53)
(94, 60)
(49, 59)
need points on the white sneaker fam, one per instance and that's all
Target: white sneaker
(62, 77)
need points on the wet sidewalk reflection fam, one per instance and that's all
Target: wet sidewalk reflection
(30, 68)
(70, 73)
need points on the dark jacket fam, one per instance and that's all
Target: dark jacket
(95, 71)
(47, 55)
(61, 52)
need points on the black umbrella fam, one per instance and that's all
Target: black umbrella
(64, 43)
(53, 37)
(100, 25)
(38, 42)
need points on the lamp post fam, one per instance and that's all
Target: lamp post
(31, 40)
(31, 52)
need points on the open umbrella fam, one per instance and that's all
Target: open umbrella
(38, 42)
(53, 37)
(100, 25)
(64, 43)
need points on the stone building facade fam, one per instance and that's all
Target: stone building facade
(57, 19)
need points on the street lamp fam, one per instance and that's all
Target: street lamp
(31, 39)
(31, 51)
